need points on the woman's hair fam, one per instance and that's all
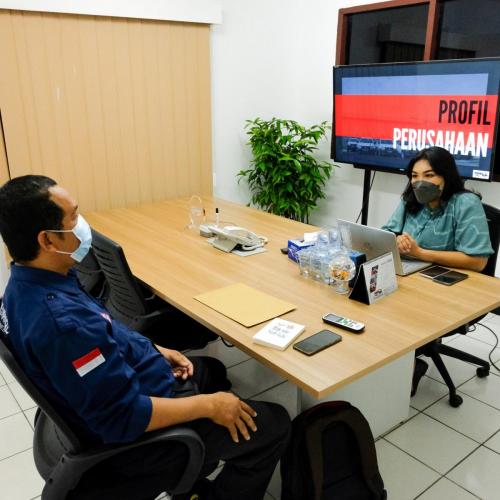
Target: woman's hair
(443, 164)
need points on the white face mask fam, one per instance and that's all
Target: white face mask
(84, 234)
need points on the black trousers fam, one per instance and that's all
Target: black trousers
(144, 473)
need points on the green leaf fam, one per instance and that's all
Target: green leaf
(284, 177)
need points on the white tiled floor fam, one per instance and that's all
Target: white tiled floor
(440, 453)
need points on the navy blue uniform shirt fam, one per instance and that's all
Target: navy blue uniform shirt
(97, 372)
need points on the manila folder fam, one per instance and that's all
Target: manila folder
(245, 304)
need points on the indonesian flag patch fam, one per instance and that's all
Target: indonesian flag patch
(87, 363)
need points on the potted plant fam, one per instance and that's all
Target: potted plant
(284, 177)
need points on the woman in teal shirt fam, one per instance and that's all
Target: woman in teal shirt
(438, 220)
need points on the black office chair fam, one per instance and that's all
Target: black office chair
(91, 276)
(435, 349)
(62, 458)
(126, 301)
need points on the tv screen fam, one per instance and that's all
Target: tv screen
(384, 113)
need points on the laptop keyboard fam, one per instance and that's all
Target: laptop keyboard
(411, 266)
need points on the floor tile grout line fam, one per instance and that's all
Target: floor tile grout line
(17, 400)
(433, 403)
(460, 486)
(463, 459)
(432, 468)
(397, 426)
(458, 432)
(472, 337)
(483, 343)
(428, 487)
(444, 477)
(453, 429)
(239, 363)
(29, 422)
(415, 458)
(268, 389)
(457, 386)
(458, 390)
(487, 439)
(456, 465)
(16, 453)
(491, 437)
(480, 400)
(490, 449)
(11, 415)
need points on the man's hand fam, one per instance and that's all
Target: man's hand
(407, 245)
(181, 366)
(234, 414)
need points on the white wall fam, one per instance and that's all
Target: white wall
(196, 11)
(274, 58)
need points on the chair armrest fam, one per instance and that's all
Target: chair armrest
(142, 323)
(71, 467)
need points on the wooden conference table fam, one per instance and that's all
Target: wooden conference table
(177, 264)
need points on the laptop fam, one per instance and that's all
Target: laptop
(374, 242)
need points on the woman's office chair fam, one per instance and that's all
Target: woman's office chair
(62, 458)
(435, 349)
(151, 316)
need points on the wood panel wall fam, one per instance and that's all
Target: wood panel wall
(4, 166)
(116, 110)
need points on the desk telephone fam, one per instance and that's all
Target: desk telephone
(227, 238)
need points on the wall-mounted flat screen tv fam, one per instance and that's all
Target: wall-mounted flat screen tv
(384, 113)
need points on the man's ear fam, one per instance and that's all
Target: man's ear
(45, 241)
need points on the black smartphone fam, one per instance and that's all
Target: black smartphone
(433, 271)
(450, 278)
(317, 342)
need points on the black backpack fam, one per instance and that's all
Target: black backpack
(331, 456)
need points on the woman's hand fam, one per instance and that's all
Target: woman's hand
(407, 245)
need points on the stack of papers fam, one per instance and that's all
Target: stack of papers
(278, 333)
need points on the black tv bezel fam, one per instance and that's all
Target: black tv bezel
(495, 168)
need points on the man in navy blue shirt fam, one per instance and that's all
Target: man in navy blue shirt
(110, 383)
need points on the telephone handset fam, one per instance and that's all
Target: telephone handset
(227, 238)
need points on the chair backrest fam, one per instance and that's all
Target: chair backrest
(91, 275)
(125, 300)
(493, 218)
(65, 435)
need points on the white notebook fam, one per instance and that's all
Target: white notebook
(278, 333)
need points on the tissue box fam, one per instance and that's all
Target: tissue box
(296, 245)
(358, 259)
